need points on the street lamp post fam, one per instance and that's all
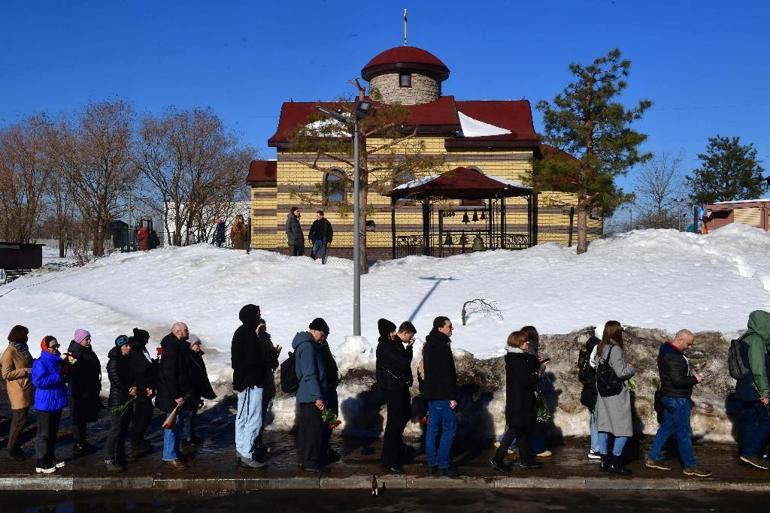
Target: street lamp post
(362, 109)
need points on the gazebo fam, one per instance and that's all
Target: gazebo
(464, 183)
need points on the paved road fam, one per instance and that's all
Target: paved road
(390, 502)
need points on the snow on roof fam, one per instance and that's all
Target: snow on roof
(507, 181)
(319, 128)
(742, 201)
(471, 127)
(416, 183)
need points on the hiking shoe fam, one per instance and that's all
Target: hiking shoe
(45, 468)
(58, 464)
(544, 454)
(250, 463)
(500, 466)
(595, 456)
(449, 472)
(530, 465)
(755, 462)
(696, 472)
(657, 464)
(177, 464)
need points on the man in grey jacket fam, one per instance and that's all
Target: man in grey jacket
(311, 372)
(294, 235)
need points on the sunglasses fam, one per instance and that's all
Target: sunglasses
(55, 346)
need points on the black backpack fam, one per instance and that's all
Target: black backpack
(735, 363)
(586, 373)
(289, 379)
(607, 382)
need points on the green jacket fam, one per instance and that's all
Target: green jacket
(758, 339)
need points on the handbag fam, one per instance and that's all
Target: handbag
(607, 382)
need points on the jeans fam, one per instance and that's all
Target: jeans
(172, 437)
(248, 421)
(440, 417)
(319, 250)
(595, 447)
(676, 419)
(755, 427)
(617, 447)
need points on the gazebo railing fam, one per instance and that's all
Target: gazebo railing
(440, 246)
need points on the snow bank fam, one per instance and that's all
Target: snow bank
(652, 278)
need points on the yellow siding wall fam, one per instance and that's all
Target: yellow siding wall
(298, 185)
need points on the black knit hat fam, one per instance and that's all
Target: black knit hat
(385, 327)
(320, 325)
(141, 336)
(18, 334)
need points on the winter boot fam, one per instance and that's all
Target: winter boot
(616, 466)
(604, 466)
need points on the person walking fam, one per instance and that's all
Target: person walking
(85, 386)
(219, 233)
(321, 234)
(440, 386)
(144, 370)
(143, 238)
(238, 233)
(203, 390)
(122, 392)
(49, 375)
(251, 359)
(394, 378)
(175, 388)
(17, 373)
(676, 383)
(613, 412)
(294, 235)
(311, 372)
(522, 373)
(753, 391)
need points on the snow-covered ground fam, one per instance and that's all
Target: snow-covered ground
(653, 278)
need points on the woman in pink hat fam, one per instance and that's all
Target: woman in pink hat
(85, 385)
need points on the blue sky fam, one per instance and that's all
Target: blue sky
(704, 64)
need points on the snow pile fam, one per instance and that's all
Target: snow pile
(653, 278)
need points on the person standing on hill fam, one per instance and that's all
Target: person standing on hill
(238, 233)
(144, 370)
(321, 234)
(85, 386)
(394, 377)
(294, 235)
(122, 390)
(17, 373)
(440, 387)
(143, 238)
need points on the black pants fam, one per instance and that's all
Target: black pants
(399, 411)
(141, 419)
(115, 448)
(310, 436)
(47, 428)
(297, 249)
(18, 423)
(81, 412)
(522, 441)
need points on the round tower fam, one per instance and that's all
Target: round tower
(406, 75)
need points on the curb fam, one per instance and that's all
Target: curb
(359, 482)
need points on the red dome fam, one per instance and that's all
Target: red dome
(405, 58)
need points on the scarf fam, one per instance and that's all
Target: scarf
(22, 348)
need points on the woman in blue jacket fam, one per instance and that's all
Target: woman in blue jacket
(48, 376)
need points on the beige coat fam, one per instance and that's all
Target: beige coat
(17, 372)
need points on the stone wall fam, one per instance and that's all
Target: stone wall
(424, 89)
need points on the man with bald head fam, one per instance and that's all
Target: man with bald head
(676, 383)
(176, 387)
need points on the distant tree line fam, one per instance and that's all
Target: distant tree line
(69, 177)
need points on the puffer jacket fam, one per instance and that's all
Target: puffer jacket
(50, 385)
(121, 377)
(394, 364)
(757, 338)
(676, 380)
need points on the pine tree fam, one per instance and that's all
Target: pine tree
(729, 171)
(587, 121)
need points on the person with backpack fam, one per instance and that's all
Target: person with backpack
(676, 383)
(311, 374)
(394, 377)
(613, 403)
(752, 389)
(251, 359)
(587, 377)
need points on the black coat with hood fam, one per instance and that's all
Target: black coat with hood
(394, 364)
(439, 366)
(252, 353)
(201, 376)
(521, 378)
(121, 377)
(175, 376)
(85, 381)
(143, 367)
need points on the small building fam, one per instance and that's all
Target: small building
(16, 256)
(494, 137)
(751, 212)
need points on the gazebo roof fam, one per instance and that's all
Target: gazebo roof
(460, 183)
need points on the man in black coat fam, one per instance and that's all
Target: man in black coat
(252, 357)
(176, 385)
(85, 385)
(144, 369)
(394, 377)
(321, 234)
(676, 384)
(440, 390)
(122, 389)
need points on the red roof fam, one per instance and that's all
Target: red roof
(460, 183)
(513, 115)
(405, 57)
(262, 171)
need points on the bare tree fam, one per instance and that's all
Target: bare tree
(659, 193)
(192, 169)
(93, 153)
(23, 177)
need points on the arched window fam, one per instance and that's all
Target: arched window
(334, 188)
